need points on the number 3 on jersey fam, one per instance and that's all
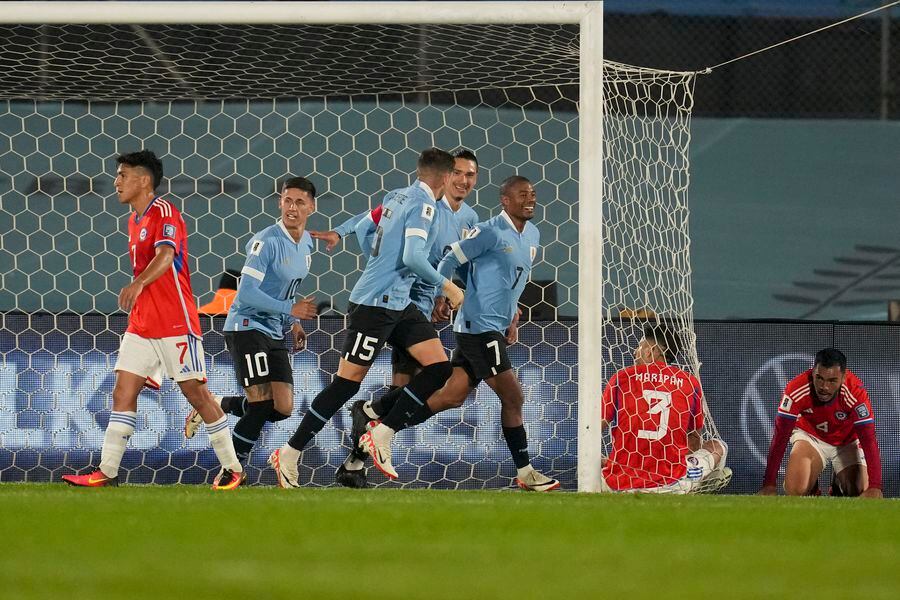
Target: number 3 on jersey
(659, 402)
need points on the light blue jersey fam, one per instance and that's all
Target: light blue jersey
(499, 259)
(274, 268)
(452, 226)
(387, 278)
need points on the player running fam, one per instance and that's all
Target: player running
(380, 309)
(498, 255)
(163, 332)
(278, 259)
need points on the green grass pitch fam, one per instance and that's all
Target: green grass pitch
(189, 542)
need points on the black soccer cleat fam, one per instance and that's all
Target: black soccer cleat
(358, 422)
(351, 479)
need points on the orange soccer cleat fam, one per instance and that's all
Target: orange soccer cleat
(94, 479)
(229, 480)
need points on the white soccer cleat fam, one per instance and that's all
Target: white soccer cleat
(377, 443)
(715, 481)
(192, 424)
(288, 474)
(536, 482)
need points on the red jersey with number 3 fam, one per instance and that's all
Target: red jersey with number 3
(833, 423)
(651, 410)
(166, 307)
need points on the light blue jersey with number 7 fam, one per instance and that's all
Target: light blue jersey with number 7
(499, 259)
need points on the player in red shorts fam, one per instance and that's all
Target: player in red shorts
(163, 334)
(827, 415)
(655, 413)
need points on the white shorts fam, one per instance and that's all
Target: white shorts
(700, 464)
(840, 457)
(180, 358)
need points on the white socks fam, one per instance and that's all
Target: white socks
(120, 427)
(220, 439)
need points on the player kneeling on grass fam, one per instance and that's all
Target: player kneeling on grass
(655, 412)
(278, 259)
(498, 256)
(163, 325)
(826, 413)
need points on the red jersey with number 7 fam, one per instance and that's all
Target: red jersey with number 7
(651, 410)
(166, 307)
(833, 423)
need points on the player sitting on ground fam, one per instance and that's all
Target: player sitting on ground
(453, 220)
(826, 413)
(278, 259)
(655, 412)
(380, 309)
(499, 254)
(163, 332)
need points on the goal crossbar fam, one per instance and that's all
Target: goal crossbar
(310, 13)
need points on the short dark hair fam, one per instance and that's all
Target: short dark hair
(509, 182)
(831, 357)
(465, 154)
(300, 183)
(665, 336)
(435, 160)
(144, 159)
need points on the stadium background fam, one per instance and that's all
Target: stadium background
(800, 134)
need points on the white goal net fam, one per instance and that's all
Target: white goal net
(234, 109)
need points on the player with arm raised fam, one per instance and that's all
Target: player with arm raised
(278, 259)
(655, 411)
(454, 218)
(498, 254)
(380, 309)
(826, 414)
(163, 332)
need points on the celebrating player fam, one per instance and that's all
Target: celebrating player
(499, 254)
(163, 332)
(655, 411)
(380, 309)
(826, 413)
(278, 259)
(453, 219)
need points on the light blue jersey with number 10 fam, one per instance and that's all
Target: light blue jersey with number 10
(274, 268)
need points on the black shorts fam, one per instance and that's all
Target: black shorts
(403, 362)
(482, 355)
(258, 358)
(370, 327)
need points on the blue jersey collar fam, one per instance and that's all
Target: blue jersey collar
(425, 187)
(287, 233)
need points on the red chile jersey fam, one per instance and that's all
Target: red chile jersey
(651, 410)
(166, 307)
(833, 423)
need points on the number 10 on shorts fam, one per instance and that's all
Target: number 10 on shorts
(261, 361)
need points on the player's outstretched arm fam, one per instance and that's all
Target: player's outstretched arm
(331, 238)
(162, 262)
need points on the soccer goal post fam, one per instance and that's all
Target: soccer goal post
(234, 96)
